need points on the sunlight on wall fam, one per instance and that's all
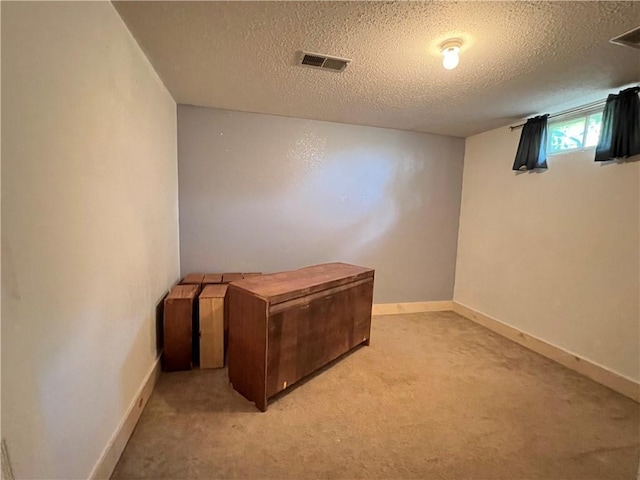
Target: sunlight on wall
(346, 194)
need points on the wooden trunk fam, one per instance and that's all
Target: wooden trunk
(231, 277)
(212, 316)
(212, 278)
(284, 326)
(192, 279)
(178, 327)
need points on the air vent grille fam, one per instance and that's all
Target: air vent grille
(629, 39)
(324, 62)
(333, 64)
(313, 60)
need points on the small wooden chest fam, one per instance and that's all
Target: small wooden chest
(212, 278)
(212, 319)
(177, 327)
(192, 279)
(231, 277)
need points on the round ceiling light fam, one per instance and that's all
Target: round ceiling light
(451, 53)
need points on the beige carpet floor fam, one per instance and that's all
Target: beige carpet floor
(434, 396)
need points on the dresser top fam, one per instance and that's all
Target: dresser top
(283, 286)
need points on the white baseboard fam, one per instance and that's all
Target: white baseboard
(413, 307)
(111, 454)
(598, 373)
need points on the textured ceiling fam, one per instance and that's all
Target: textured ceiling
(518, 58)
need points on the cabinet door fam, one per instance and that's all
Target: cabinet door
(359, 302)
(306, 337)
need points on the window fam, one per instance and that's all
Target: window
(574, 133)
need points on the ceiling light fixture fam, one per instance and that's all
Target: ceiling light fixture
(450, 53)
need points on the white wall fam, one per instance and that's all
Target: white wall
(267, 193)
(89, 229)
(554, 254)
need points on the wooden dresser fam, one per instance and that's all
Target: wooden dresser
(284, 326)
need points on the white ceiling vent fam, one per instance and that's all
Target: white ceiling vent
(324, 62)
(629, 39)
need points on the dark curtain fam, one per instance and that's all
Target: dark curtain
(620, 131)
(532, 149)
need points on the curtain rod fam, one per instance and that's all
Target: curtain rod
(588, 106)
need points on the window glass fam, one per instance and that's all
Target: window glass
(593, 129)
(568, 135)
(574, 134)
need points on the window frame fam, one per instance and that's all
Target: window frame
(586, 114)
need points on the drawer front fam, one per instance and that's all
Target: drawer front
(306, 337)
